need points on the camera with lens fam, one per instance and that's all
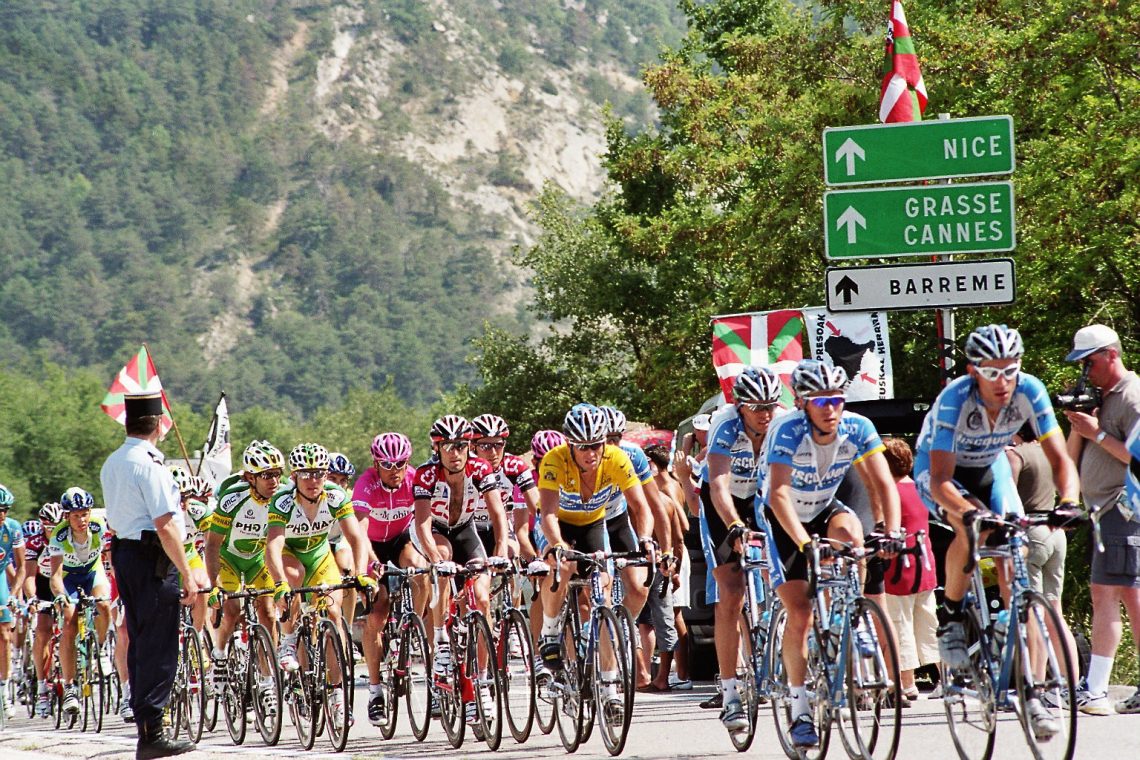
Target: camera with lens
(1082, 397)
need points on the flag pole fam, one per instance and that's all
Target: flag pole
(213, 422)
(173, 422)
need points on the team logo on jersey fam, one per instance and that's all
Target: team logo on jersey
(549, 475)
(974, 420)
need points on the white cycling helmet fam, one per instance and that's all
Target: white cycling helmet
(993, 342)
(757, 385)
(813, 376)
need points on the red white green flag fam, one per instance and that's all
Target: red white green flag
(903, 95)
(762, 339)
(138, 376)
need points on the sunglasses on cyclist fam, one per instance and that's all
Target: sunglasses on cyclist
(823, 402)
(455, 446)
(993, 373)
(269, 475)
(311, 474)
(384, 464)
(753, 407)
(491, 446)
(589, 446)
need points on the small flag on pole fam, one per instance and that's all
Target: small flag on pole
(217, 459)
(903, 95)
(138, 376)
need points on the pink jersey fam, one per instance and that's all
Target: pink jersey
(389, 512)
(431, 484)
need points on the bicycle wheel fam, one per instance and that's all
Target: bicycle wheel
(390, 680)
(112, 685)
(1043, 670)
(91, 686)
(195, 695)
(612, 688)
(55, 683)
(629, 634)
(516, 665)
(415, 681)
(265, 685)
(235, 692)
(815, 681)
(544, 709)
(301, 691)
(29, 673)
(332, 678)
(968, 697)
(449, 693)
(210, 701)
(746, 670)
(781, 699)
(869, 727)
(349, 661)
(569, 706)
(482, 668)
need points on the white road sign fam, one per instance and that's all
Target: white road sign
(920, 286)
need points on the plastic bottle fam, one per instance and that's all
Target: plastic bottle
(1001, 627)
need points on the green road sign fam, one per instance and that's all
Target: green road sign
(972, 217)
(943, 149)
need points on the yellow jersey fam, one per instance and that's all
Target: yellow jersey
(559, 473)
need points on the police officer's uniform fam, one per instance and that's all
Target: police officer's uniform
(138, 489)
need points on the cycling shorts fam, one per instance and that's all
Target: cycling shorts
(319, 567)
(464, 540)
(43, 590)
(389, 551)
(793, 563)
(714, 531)
(255, 574)
(586, 538)
(993, 486)
(620, 533)
(88, 581)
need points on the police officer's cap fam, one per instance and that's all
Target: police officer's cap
(143, 405)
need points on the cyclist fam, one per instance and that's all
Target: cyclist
(37, 586)
(807, 455)
(517, 489)
(235, 543)
(385, 503)
(448, 489)
(619, 526)
(577, 481)
(76, 549)
(11, 553)
(729, 477)
(196, 520)
(297, 551)
(341, 473)
(540, 443)
(961, 470)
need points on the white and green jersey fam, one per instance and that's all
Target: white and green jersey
(302, 535)
(78, 557)
(243, 521)
(196, 519)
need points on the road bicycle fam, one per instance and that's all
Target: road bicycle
(596, 678)
(90, 678)
(1029, 660)
(406, 657)
(852, 661)
(188, 694)
(514, 652)
(251, 676)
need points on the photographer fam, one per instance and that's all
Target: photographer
(1096, 442)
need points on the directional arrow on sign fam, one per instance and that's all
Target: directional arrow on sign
(851, 217)
(846, 287)
(850, 150)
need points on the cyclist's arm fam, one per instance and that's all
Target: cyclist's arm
(57, 588)
(494, 501)
(19, 568)
(877, 479)
(213, 555)
(550, 526)
(1064, 471)
(358, 540)
(942, 488)
(274, 543)
(719, 489)
(31, 570)
(780, 502)
(423, 530)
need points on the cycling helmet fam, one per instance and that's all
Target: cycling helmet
(261, 456)
(545, 440)
(993, 342)
(51, 512)
(181, 479)
(490, 426)
(391, 447)
(32, 528)
(585, 423)
(615, 420)
(450, 427)
(75, 499)
(309, 456)
(6, 497)
(339, 464)
(757, 385)
(199, 486)
(813, 376)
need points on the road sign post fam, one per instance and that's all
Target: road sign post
(973, 217)
(949, 284)
(943, 149)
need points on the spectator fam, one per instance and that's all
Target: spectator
(679, 581)
(1097, 443)
(910, 579)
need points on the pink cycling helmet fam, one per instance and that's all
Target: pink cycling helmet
(544, 441)
(391, 447)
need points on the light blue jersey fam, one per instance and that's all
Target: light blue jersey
(641, 469)
(728, 438)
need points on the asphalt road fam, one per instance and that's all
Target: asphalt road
(667, 725)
